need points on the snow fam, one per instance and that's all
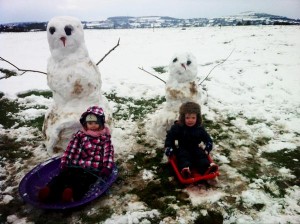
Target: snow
(147, 175)
(279, 145)
(199, 197)
(7, 199)
(259, 82)
(133, 217)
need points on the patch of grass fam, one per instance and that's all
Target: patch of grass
(210, 124)
(8, 73)
(45, 93)
(156, 193)
(226, 152)
(141, 159)
(159, 193)
(141, 137)
(286, 158)
(258, 206)
(169, 211)
(212, 217)
(36, 123)
(129, 108)
(282, 186)
(252, 170)
(220, 136)
(7, 109)
(11, 150)
(262, 141)
(232, 138)
(100, 215)
(152, 220)
(160, 69)
(39, 217)
(215, 128)
(240, 205)
(252, 121)
(12, 208)
(145, 161)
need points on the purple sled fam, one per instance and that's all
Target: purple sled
(39, 176)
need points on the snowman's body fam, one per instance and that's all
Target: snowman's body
(74, 80)
(76, 84)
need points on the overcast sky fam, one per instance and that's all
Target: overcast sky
(90, 10)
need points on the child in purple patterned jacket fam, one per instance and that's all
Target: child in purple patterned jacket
(89, 154)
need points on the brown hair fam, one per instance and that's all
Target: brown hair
(190, 108)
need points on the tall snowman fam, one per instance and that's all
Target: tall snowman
(74, 80)
(181, 86)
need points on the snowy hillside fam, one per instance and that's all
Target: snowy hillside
(250, 107)
(129, 22)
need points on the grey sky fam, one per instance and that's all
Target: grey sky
(90, 10)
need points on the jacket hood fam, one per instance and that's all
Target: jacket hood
(97, 111)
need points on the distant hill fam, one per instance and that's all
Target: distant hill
(128, 22)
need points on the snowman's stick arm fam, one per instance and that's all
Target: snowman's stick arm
(109, 52)
(19, 69)
(215, 67)
(152, 75)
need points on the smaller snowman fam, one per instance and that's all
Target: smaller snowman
(181, 87)
(74, 79)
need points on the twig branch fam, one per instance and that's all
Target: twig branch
(152, 75)
(21, 70)
(109, 52)
(215, 67)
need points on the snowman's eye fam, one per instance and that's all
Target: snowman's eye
(52, 30)
(174, 60)
(68, 30)
(188, 62)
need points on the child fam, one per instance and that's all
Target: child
(190, 133)
(89, 154)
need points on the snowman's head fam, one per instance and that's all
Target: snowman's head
(65, 36)
(183, 67)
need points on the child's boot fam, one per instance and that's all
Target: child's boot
(67, 195)
(186, 173)
(213, 168)
(43, 193)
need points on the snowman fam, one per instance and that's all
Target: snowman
(74, 79)
(181, 86)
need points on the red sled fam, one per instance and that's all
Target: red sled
(195, 176)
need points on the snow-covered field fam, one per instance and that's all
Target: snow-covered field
(250, 103)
